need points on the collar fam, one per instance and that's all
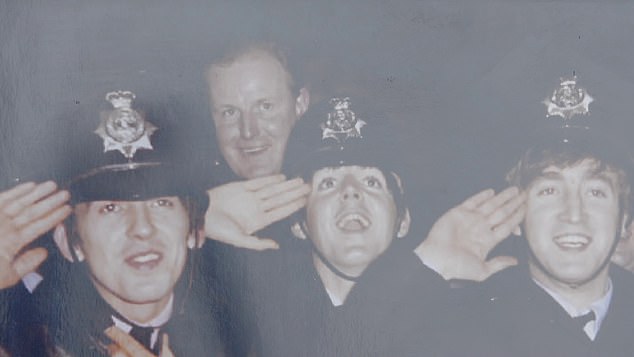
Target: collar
(157, 321)
(599, 307)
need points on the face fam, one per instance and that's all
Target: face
(351, 216)
(135, 250)
(572, 222)
(254, 112)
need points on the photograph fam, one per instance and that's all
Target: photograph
(316, 178)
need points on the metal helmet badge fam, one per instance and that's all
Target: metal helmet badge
(568, 100)
(342, 122)
(123, 128)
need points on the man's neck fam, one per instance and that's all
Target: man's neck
(337, 287)
(582, 295)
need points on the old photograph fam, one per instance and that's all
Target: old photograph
(316, 178)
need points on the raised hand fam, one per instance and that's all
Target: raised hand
(459, 242)
(27, 211)
(239, 209)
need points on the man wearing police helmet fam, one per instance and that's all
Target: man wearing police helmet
(355, 210)
(130, 242)
(567, 299)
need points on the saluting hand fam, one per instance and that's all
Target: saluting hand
(239, 209)
(125, 345)
(459, 242)
(26, 212)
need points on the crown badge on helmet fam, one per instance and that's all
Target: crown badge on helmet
(341, 123)
(568, 100)
(123, 128)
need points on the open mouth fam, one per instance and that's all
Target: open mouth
(572, 241)
(353, 222)
(144, 260)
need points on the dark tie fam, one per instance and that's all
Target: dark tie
(584, 319)
(144, 336)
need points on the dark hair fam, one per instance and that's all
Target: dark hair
(564, 154)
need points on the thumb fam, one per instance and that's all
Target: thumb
(255, 243)
(498, 264)
(165, 347)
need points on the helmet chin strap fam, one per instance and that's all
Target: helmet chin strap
(332, 268)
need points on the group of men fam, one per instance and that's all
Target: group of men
(259, 264)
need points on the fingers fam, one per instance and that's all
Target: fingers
(17, 204)
(127, 344)
(41, 208)
(44, 224)
(283, 198)
(279, 213)
(276, 189)
(498, 264)
(165, 347)
(497, 201)
(474, 201)
(261, 182)
(29, 261)
(253, 242)
(510, 223)
(506, 208)
(17, 191)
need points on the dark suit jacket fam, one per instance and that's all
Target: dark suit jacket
(73, 316)
(513, 316)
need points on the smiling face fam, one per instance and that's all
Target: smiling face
(351, 216)
(135, 250)
(254, 112)
(572, 221)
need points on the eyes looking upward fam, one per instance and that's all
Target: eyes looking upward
(368, 178)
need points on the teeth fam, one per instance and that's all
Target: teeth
(354, 217)
(254, 150)
(145, 258)
(572, 240)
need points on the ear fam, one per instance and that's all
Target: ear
(298, 230)
(626, 230)
(403, 227)
(61, 240)
(200, 238)
(192, 241)
(302, 102)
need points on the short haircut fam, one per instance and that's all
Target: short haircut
(233, 53)
(567, 154)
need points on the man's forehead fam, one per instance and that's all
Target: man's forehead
(256, 62)
(588, 168)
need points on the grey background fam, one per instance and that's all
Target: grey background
(460, 82)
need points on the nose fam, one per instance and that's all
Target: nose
(573, 208)
(140, 225)
(249, 125)
(350, 190)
